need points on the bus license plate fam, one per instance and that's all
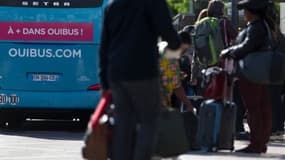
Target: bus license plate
(45, 77)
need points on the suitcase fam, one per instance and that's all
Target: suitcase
(171, 139)
(216, 128)
(191, 127)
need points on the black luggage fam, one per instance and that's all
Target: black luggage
(171, 139)
(191, 127)
(227, 127)
(176, 133)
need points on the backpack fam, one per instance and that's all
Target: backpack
(208, 40)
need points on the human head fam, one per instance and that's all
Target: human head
(216, 8)
(253, 9)
(186, 40)
(260, 9)
(253, 4)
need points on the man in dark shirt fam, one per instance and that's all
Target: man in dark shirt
(129, 70)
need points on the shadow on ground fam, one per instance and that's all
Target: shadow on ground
(48, 129)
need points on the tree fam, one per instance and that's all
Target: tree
(178, 6)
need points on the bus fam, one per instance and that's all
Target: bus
(49, 59)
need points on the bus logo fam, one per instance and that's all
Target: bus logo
(53, 3)
(46, 3)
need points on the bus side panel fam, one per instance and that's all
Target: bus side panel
(75, 67)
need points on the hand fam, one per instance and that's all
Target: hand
(225, 53)
(194, 82)
(105, 91)
(172, 54)
(183, 75)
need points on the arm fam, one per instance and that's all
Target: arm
(103, 51)
(254, 40)
(160, 20)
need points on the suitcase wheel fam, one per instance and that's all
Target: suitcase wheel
(212, 149)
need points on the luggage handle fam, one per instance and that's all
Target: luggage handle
(228, 69)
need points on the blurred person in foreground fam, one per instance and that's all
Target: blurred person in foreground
(128, 61)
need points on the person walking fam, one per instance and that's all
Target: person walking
(255, 96)
(129, 70)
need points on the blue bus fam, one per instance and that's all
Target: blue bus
(49, 59)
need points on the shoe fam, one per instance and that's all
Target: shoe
(249, 150)
(277, 136)
(242, 136)
(281, 132)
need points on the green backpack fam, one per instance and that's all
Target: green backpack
(208, 40)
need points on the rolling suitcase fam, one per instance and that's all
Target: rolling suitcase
(216, 128)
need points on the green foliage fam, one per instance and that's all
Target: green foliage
(178, 6)
(277, 6)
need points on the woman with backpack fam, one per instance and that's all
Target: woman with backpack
(255, 96)
(229, 32)
(212, 34)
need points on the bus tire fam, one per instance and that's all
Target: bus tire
(3, 119)
(16, 120)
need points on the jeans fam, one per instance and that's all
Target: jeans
(136, 112)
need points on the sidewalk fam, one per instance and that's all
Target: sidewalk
(276, 151)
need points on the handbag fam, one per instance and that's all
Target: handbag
(220, 80)
(98, 135)
(264, 66)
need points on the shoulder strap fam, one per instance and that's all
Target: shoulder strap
(225, 32)
(269, 35)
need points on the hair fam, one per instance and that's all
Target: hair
(203, 13)
(216, 8)
(269, 14)
(185, 37)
